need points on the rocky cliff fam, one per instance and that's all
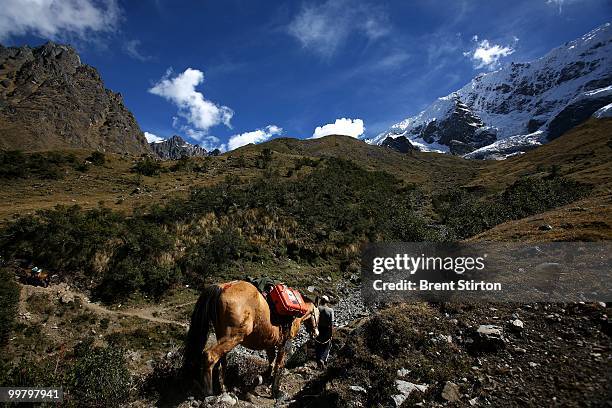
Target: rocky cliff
(176, 147)
(50, 100)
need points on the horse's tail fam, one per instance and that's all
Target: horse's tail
(204, 313)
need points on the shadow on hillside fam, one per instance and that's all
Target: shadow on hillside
(166, 384)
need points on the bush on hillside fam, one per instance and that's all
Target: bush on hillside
(264, 159)
(9, 299)
(189, 164)
(28, 373)
(91, 377)
(210, 256)
(134, 265)
(147, 167)
(99, 376)
(466, 214)
(69, 239)
(16, 164)
(305, 161)
(96, 158)
(64, 238)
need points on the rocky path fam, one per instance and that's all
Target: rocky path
(247, 364)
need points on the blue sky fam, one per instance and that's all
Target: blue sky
(224, 73)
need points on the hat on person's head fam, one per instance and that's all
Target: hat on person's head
(325, 298)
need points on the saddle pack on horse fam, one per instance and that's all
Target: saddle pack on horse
(285, 302)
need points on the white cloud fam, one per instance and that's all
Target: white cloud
(343, 126)
(198, 111)
(487, 55)
(132, 48)
(256, 136)
(325, 27)
(152, 138)
(208, 142)
(58, 19)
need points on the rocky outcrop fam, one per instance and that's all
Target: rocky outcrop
(50, 100)
(508, 147)
(401, 144)
(175, 148)
(578, 111)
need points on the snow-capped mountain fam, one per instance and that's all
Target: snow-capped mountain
(175, 148)
(518, 106)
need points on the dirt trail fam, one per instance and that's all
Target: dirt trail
(145, 313)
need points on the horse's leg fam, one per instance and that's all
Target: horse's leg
(271, 354)
(221, 372)
(213, 354)
(279, 364)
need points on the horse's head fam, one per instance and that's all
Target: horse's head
(311, 319)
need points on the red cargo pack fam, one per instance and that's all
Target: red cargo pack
(287, 301)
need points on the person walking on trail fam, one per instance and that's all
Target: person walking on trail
(326, 324)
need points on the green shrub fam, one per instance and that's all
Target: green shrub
(147, 167)
(29, 373)
(186, 163)
(62, 238)
(92, 377)
(82, 167)
(12, 164)
(99, 377)
(305, 161)
(264, 159)
(9, 299)
(97, 158)
(466, 214)
(68, 239)
(51, 165)
(213, 255)
(134, 265)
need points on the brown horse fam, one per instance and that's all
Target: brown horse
(240, 315)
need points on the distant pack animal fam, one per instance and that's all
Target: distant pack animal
(239, 314)
(38, 277)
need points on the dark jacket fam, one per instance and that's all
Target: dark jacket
(326, 323)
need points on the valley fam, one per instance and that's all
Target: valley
(109, 234)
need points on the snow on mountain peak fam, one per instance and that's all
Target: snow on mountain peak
(517, 100)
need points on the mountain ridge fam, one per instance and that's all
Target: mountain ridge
(49, 99)
(518, 99)
(176, 147)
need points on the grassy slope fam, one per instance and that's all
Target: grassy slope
(428, 170)
(113, 183)
(583, 154)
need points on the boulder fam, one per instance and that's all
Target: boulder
(517, 325)
(451, 392)
(65, 296)
(405, 388)
(487, 338)
(358, 388)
